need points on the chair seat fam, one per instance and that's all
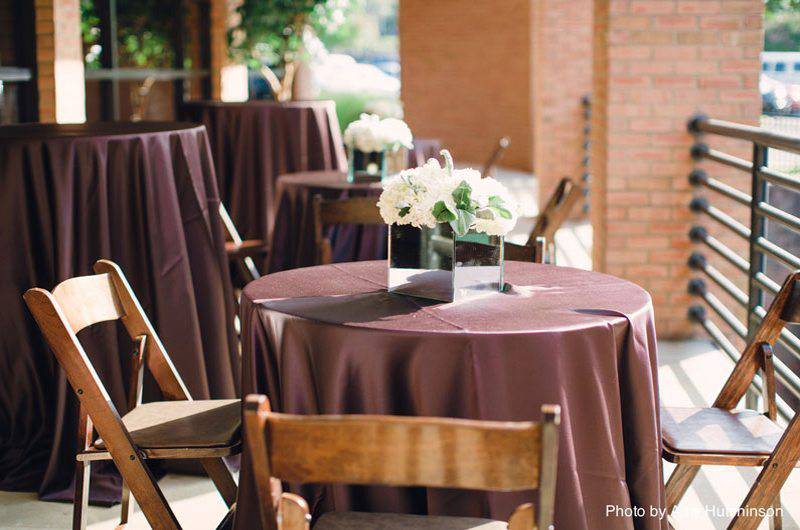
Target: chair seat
(179, 424)
(718, 431)
(392, 521)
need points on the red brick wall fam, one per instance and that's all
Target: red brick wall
(59, 55)
(563, 75)
(656, 63)
(467, 75)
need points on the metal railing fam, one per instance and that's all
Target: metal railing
(765, 218)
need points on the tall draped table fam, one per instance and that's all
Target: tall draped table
(330, 340)
(256, 141)
(293, 238)
(145, 196)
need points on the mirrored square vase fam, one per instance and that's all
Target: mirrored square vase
(436, 264)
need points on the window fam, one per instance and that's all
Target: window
(797, 67)
(780, 67)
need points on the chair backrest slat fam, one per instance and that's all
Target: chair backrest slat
(391, 450)
(556, 211)
(356, 210)
(87, 300)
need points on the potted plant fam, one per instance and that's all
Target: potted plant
(446, 231)
(269, 37)
(376, 147)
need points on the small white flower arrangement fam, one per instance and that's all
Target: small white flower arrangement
(371, 134)
(431, 194)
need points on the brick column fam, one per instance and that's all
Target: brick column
(218, 35)
(656, 62)
(467, 75)
(563, 76)
(59, 61)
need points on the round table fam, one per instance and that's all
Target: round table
(254, 142)
(143, 195)
(292, 244)
(331, 340)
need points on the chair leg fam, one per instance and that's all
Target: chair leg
(776, 521)
(128, 505)
(678, 483)
(81, 497)
(764, 494)
(219, 473)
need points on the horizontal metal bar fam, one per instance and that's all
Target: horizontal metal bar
(778, 215)
(140, 74)
(750, 133)
(728, 160)
(780, 179)
(14, 73)
(700, 204)
(700, 235)
(766, 283)
(697, 287)
(699, 177)
(698, 262)
(782, 255)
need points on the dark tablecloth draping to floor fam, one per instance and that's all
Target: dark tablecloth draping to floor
(254, 142)
(145, 196)
(293, 243)
(330, 340)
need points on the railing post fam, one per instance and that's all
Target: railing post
(757, 258)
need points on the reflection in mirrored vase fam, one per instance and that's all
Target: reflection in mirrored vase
(433, 263)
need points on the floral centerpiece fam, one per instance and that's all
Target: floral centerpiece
(447, 229)
(377, 147)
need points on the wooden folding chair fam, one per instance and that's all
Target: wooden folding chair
(496, 155)
(206, 430)
(400, 451)
(557, 210)
(242, 251)
(356, 211)
(536, 253)
(719, 435)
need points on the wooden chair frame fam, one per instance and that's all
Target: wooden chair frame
(81, 302)
(356, 210)
(537, 253)
(557, 210)
(242, 251)
(496, 155)
(777, 466)
(446, 453)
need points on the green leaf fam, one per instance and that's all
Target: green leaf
(443, 213)
(462, 195)
(404, 211)
(463, 222)
(502, 212)
(496, 200)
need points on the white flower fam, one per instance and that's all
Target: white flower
(369, 134)
(411, 196)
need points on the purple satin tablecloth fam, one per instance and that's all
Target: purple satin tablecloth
(254, 142)
(331, 340)
(145, 196)
(292, 244)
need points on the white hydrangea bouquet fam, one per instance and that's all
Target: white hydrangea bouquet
(446, 231)
(431, 194)
(377, 147)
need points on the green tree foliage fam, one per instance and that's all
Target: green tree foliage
(144, 32)
(782, 25)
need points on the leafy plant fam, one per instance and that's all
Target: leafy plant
(269, 36)
(465, 210)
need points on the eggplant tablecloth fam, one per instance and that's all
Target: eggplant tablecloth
(293, 245)
(145, 196)
(331, 340)
(254, 142)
